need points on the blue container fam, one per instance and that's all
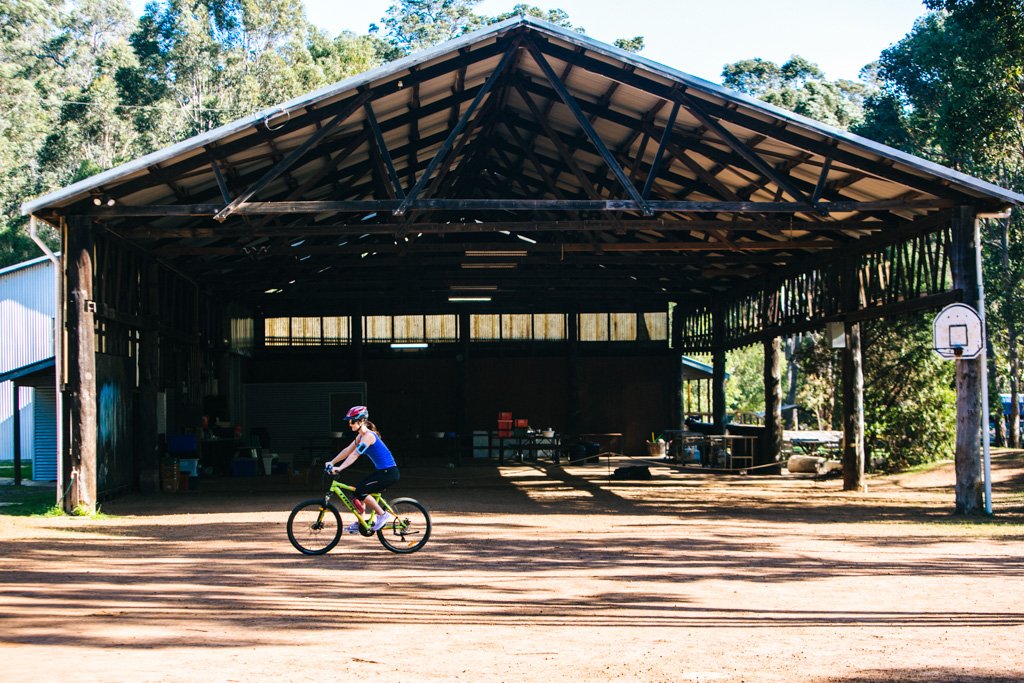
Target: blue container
(243, 467)
(182, 443)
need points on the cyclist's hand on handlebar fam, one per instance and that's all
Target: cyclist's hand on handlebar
(328, 468)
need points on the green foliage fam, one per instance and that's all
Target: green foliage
(634, 44)
(412, 25)
(818, 383)
(744, 389)
(909, 394)
(559, 17)
(800, 86)
(953, 87)
(7, 469)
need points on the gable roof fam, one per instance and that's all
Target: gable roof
(616, 181)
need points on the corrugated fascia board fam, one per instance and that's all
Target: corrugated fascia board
(580, 40)
(28, 369)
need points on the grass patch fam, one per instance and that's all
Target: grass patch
(7, 469)
(925, 466)
(38, 501)
(24, 501)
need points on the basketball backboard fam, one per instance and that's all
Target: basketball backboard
(957, 332)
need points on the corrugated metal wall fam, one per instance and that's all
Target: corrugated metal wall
(44, 453)
(26, 306)
(27, 323)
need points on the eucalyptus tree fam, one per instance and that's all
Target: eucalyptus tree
(58, 117)
(799, 85)
(558, 17)
(91, 132)
(24, 118)
(412, 25)
(952, 88)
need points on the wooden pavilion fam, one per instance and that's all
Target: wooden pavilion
(557, 220)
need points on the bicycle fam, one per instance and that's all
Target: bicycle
(314, 526)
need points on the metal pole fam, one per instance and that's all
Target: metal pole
(986, 438)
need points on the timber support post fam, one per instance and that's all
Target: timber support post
(358, 348)
(465, 433)
(149, 379)
(575, 409)
(678, 402)
(718, 368)
(80, 460)
(771, 446)
(967, 455)
(852, 382)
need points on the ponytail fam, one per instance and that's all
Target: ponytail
(372, 427)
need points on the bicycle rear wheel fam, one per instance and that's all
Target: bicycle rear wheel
(409, 530)
(313, 527)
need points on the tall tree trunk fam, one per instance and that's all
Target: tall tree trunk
(1011, 330)
(773, 433)
(969, 493)
(996, 410)
(853, 410)
(82, 407)
(1014, 386)
(792, 370)
(718, 370)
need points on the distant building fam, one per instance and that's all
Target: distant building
(27, 381)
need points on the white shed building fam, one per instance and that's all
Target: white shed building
(27, 381)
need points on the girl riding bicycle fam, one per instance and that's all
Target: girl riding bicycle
(385, 472)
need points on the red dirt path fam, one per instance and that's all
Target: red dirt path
(533, 573)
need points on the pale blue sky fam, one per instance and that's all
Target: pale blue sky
(698, 37)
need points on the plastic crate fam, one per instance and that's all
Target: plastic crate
(169, 476)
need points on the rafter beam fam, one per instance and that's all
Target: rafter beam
(442, 153)
(119, 211)
(292, 157)
(622, 247)
(738, 146)
(653, 172)
(382, 150)
(587, 127)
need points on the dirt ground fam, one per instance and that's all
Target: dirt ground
(533, 573)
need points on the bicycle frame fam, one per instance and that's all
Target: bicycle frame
(343, 492)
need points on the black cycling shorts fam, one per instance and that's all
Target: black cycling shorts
(376, 482)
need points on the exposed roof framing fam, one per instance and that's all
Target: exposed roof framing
(561, 171)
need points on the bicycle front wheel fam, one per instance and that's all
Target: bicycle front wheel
(313, 527)
(409, 530)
